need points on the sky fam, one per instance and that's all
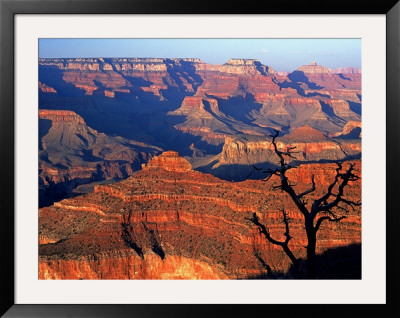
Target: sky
(280, 54)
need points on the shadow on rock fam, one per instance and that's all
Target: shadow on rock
(336, 263)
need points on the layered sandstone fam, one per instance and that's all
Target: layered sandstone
(177, 223)
(60, 116)
(237, 67)
(240, 152)
(107, 76)
(170, 161)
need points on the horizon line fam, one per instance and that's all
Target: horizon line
(182, 58)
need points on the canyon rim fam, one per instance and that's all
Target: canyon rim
(177, 168)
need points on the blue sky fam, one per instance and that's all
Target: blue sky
(280, 54)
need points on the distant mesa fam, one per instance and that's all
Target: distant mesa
(170, 161)
(313, 68)
(346, 70)
(242, 61)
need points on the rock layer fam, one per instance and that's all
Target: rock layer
(177, 223)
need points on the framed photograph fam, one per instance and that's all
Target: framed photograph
(170, 159)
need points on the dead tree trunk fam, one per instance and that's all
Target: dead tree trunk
(311, 247)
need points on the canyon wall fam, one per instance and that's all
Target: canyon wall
(171, 222)
(72, 153)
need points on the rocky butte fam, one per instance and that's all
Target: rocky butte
(170, 222)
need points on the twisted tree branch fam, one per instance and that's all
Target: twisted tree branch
(284, 244)
(312, 189)
(323, 218)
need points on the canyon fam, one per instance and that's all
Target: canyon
(171, 222)
(152, 168)
(123, 111)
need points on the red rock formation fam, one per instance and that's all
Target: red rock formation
(222, 86)
(86, 80)
(261, 87)
(170, 161)
(190, 104)
(61, 116)
(130, 267)
(313, 68)
(236, 66)
(311, 145)
(175, 223)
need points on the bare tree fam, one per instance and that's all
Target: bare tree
(321, 209)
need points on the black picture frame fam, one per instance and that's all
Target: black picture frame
(9, 9)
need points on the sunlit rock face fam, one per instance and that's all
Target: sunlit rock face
(241, 152)
(171, 222)
(170, 161)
